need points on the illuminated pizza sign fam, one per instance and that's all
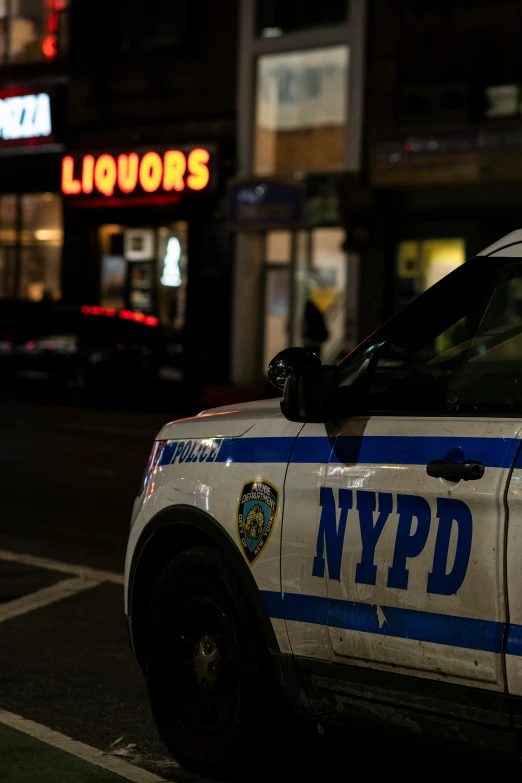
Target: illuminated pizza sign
(25, 116)
(138, 174)
(29, 117)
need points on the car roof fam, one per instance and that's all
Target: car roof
(510, 245)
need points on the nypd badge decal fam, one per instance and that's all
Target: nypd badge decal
(256, 516)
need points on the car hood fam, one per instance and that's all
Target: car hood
(231, 421)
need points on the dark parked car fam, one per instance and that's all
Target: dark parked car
(93, 353)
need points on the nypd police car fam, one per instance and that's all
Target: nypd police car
(355, 547)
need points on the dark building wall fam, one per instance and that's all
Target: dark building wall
(467, 44)
(209, 303)
(428, 67)
(141, 79)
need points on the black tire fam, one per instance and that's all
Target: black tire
(206, 670)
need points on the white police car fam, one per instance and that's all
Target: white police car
(358, 544)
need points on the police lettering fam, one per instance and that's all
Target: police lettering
(414, 513)
(194, 450)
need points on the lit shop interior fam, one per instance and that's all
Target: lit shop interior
(145, 270)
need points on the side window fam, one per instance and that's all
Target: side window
(429, 342)
(490, 378)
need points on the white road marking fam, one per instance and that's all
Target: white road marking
(65, 568)
(79, 749)
(46, 596)
(84, 578)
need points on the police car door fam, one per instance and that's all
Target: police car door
(410, 520)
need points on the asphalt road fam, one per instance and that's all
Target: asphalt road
(68, 479)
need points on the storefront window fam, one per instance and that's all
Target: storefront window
(422, 263)
(41, 238)
(139, 247)
(113, 270)
(301, 111)
(32, 30)
(31, 236)
(276, 17)
(173, 274)
(8, 209)
(146, 270)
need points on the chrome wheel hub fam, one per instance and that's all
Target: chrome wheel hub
(207, 663)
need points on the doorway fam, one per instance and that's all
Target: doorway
(145, 269)
(306, 270)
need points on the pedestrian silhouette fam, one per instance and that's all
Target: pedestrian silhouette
(314, 328)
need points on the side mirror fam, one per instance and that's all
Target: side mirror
(291, 360)
(311, 395)
(310, 388)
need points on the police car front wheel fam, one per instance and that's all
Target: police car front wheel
(205, 670)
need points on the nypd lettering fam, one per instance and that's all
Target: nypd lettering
(414, 525)
(256, 515)
(205, 450)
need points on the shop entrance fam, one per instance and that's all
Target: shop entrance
(146, 270)
(307, 292)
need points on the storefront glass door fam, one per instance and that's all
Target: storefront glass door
(278, 255)
(306, 292)
(320, 292)
(329, 288)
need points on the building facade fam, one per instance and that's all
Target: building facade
(300, 118)
(194, 163)
(117, 138)
(151, 145)
(443, 162)
(34, 47)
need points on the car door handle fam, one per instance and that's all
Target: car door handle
(455, 471)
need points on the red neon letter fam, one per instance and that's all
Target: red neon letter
(175, 167)
(105, 174)
(199, 173)
(52, 22)
(128, 172)
(49, 45)
(70, 186)
(151, 172)
(88, 174)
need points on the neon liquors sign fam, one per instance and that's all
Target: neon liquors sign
(146, 173)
